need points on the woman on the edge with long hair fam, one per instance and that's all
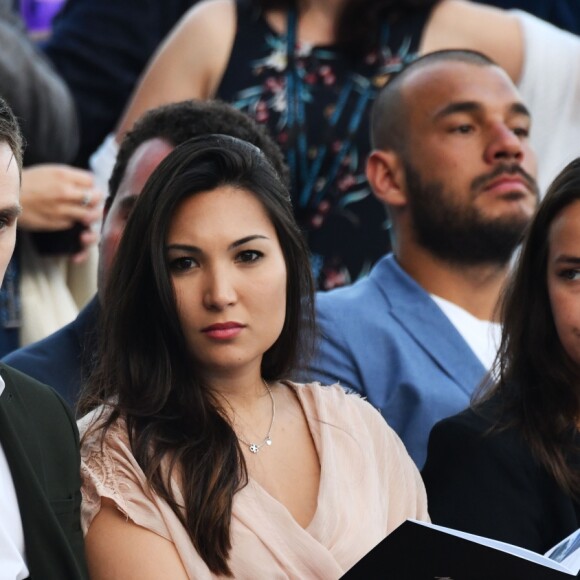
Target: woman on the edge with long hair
(509, 467)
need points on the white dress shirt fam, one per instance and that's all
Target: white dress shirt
(12, 556)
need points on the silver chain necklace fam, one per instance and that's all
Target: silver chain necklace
(255, 447)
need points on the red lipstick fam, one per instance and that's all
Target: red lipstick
(223, 330)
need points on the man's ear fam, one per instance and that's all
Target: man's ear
(387, 177)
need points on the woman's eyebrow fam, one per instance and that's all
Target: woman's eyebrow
(247, 239)
(565, 259)
(233, 245)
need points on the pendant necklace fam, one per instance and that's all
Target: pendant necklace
(255, 447)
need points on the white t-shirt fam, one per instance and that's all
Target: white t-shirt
(550, 87)
(12, 556)
(483, 336)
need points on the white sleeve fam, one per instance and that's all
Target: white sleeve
(102, 162)
(550, 88)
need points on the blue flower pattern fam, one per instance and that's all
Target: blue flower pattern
(345, 225)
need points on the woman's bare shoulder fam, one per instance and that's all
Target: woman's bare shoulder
(206, 35)
(190, 62)
(210, 12)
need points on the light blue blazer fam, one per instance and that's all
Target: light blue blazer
(387, 339)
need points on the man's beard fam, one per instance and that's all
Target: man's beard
(460, 234)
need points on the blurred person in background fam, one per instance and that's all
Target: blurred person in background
(43, 288)
(100, 48)
(561, 13)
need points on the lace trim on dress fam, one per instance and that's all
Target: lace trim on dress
(100, 474)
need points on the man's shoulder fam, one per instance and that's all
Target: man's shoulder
(32, 393)
(57, 359)
(13, 376)
(386, 299)
(56, 344)
(54, 360)
(51, 349)
(38, 413)
(357, 295)
(387, 284)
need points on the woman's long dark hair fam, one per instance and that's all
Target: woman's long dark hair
(359, 25)
(539, 384)
(145, 372)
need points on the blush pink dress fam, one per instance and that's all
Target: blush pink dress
(368, 486)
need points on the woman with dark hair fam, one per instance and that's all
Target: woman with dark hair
(509, 467)
(199, 458)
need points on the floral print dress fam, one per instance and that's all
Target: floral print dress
(316, 102)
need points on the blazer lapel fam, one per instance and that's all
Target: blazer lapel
(48, 554)
(23, 452)
(420, 316)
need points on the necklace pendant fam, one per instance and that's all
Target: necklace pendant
(255, 447)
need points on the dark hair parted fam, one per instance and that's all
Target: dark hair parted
(389, 116)
(145, 371)
(358, 27)
(184, 120)
(10, 133)
(539, 384)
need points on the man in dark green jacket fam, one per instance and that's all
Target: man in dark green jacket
(40, 533)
